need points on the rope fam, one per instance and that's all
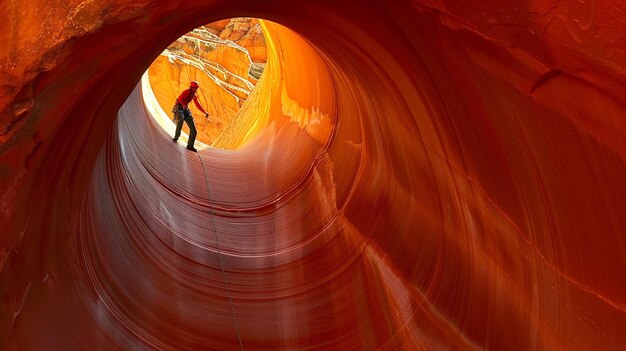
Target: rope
(219, 254)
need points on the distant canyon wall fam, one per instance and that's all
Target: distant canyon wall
(227, 58)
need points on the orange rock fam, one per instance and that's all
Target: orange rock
(233, 58)
(217, 26)
(237, 28)
(254, 42)
(247, 33)
(170, 75)
(407, 175)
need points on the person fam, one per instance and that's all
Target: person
(183, 114)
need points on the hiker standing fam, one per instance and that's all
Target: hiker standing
(182, 113)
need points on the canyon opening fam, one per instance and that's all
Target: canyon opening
(404, 175)
(226, 58)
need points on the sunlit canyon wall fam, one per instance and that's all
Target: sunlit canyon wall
(407, 175)
(226, 58)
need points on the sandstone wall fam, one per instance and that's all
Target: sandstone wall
(429, 174)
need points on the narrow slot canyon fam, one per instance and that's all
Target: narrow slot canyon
(408, 175)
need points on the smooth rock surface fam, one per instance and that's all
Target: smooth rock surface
(430, 174)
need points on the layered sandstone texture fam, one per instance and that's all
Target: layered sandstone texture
(245, 32)
(222, 66)
(407, 175)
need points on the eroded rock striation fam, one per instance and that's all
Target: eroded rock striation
(247, 33)
(407, 175)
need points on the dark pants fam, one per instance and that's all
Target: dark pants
(187, 118)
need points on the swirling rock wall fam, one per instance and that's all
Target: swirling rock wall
(413, 175)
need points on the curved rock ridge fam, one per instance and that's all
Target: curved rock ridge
(223, 69)
(407, 175)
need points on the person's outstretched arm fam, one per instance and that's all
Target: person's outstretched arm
(195, 101)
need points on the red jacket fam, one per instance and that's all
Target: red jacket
(186, 97)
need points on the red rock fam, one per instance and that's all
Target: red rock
(409, 175)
